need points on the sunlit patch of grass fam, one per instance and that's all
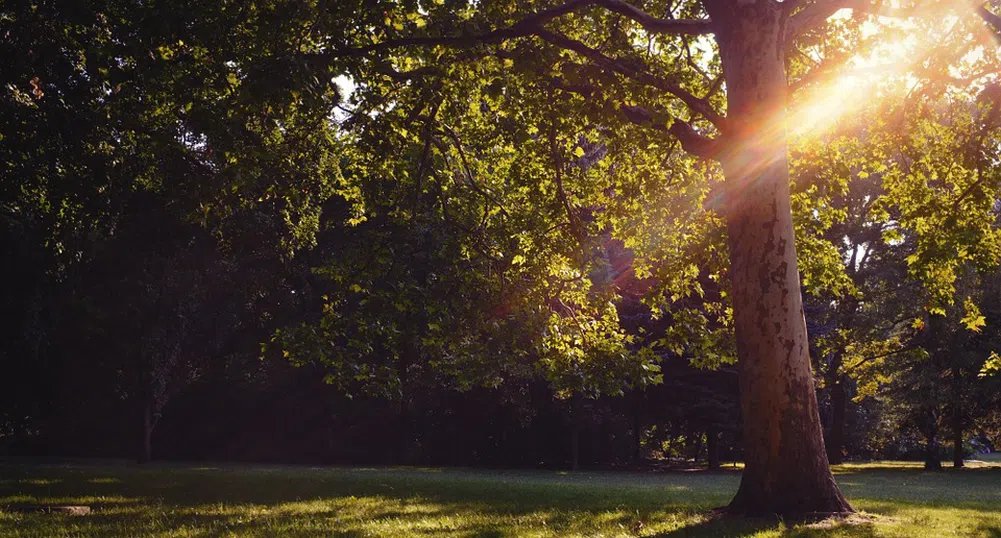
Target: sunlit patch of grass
(104, 480)
(170, 501)
(38, 481)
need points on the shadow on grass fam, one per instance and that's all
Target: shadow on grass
(988, 531)
(347, 503)
(187, 487)
(736, 527)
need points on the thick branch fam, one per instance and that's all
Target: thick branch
(691, 141)
(655, 25)
(522, 28)
(989, 18)
(816, 13)
(698, 105)
(527, 25)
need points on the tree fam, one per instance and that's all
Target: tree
(751, 40)
(786, 469)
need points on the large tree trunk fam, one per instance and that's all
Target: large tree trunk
(786, 469)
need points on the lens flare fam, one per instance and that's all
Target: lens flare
(901, 47)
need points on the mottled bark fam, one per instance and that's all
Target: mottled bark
(786, 469)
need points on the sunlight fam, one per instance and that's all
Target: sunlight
(866, 78)
(897, 48)
(901, 47)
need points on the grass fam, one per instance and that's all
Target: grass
(229, 501)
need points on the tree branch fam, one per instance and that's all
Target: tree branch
(698, 105)
(691, 141)
(816, 13)
(469, 174)
(572, 218)
(403, 76)
(990, 18)
(653, 24)
(853, 367)
(528, 24)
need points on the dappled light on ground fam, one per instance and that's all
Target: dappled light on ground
(299, 502)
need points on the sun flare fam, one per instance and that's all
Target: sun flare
(888, 68)
(848, 89)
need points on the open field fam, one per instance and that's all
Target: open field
(189, 501)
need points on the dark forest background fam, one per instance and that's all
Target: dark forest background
(212, 249)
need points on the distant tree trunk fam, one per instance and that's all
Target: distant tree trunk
(697, 448)
(405, 421)
(575, 448)
(404, 433)
(957, 417)
(712, 447)
(159, 355)
(930, 431)
(957, 438)
(932, 461)
(839, 404)
(786, 468)
(637, 427)
(957, 447)
(575, 433)
(146, 441)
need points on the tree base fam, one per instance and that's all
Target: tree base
(805, 517)
(809, 518)
(789, 505)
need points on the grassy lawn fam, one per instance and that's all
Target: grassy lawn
(188, 501)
